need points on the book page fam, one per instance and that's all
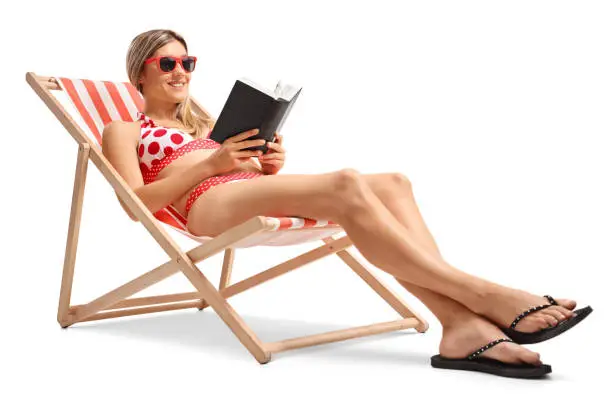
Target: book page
(285, 91)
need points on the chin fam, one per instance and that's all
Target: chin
(174, 93)
(177, 99)
(177, 96)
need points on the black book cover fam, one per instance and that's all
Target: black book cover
(249, 106)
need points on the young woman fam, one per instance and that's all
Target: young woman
(166, 158)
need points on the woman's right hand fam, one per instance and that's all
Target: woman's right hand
(228, 156)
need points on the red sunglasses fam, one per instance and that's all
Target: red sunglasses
(168, 64)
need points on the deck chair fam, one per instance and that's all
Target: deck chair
(100, 102)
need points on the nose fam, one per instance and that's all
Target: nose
(179, 67)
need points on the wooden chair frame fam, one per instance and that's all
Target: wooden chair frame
(115, 303)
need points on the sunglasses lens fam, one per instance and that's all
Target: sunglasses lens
(189, 64)
(167, 64)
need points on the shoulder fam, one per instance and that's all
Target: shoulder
(119, 125)
(120, 130)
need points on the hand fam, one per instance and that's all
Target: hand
(230, 155)
(274, 159)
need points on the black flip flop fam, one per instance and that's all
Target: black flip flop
(548, 333)
(491, 366)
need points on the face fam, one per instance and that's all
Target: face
(161, 85)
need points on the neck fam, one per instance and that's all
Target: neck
(162, 111)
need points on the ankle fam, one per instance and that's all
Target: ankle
(457, 318)
(455, 314)
(484, 294)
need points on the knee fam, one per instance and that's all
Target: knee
(399, 183)
(389, 186)
(347, 179)
(349, 187)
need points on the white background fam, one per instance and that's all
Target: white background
(499, 113)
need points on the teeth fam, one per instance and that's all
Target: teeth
(177, 84)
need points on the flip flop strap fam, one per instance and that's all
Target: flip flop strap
(527, 312)
(486, 347)
(551, 300)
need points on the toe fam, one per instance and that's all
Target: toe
(505, 352)
(567, 313)
(557, 314)
(529, 357)
(550, 319)
(567, 303)
(513, 353)
(542, 321)
(535, 322)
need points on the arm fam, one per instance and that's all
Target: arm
(161, 193)
(119, 147)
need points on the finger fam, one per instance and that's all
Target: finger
(275, 146)
(250, 143)
(273, 156)
(269, 156)
(247, 153)
(275, 163)
(243, 135)
(255, 142)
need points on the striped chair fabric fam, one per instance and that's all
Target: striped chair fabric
(101, 102)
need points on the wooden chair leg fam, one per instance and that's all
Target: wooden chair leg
(226, 312)
(73, 234)
(226, 272)
(394, 300)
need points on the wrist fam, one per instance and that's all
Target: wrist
(206, 168)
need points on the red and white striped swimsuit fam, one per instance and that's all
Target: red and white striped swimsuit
(159, 146)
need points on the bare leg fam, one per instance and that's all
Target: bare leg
(345, 197)
(463, 330)
(395, 191)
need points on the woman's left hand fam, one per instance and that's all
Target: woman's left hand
(274, 159)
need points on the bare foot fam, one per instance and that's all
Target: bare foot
(467, 334)
(507, 304)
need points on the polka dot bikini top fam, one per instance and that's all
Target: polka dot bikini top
(159, 146)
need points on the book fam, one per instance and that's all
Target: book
(251, 106)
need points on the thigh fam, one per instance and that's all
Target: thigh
(388, 185)
(226, 205)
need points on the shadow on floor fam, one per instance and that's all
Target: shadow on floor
(205, 331)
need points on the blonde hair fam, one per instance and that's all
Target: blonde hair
(143, 46)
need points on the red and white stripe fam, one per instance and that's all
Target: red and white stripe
(101, 102)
